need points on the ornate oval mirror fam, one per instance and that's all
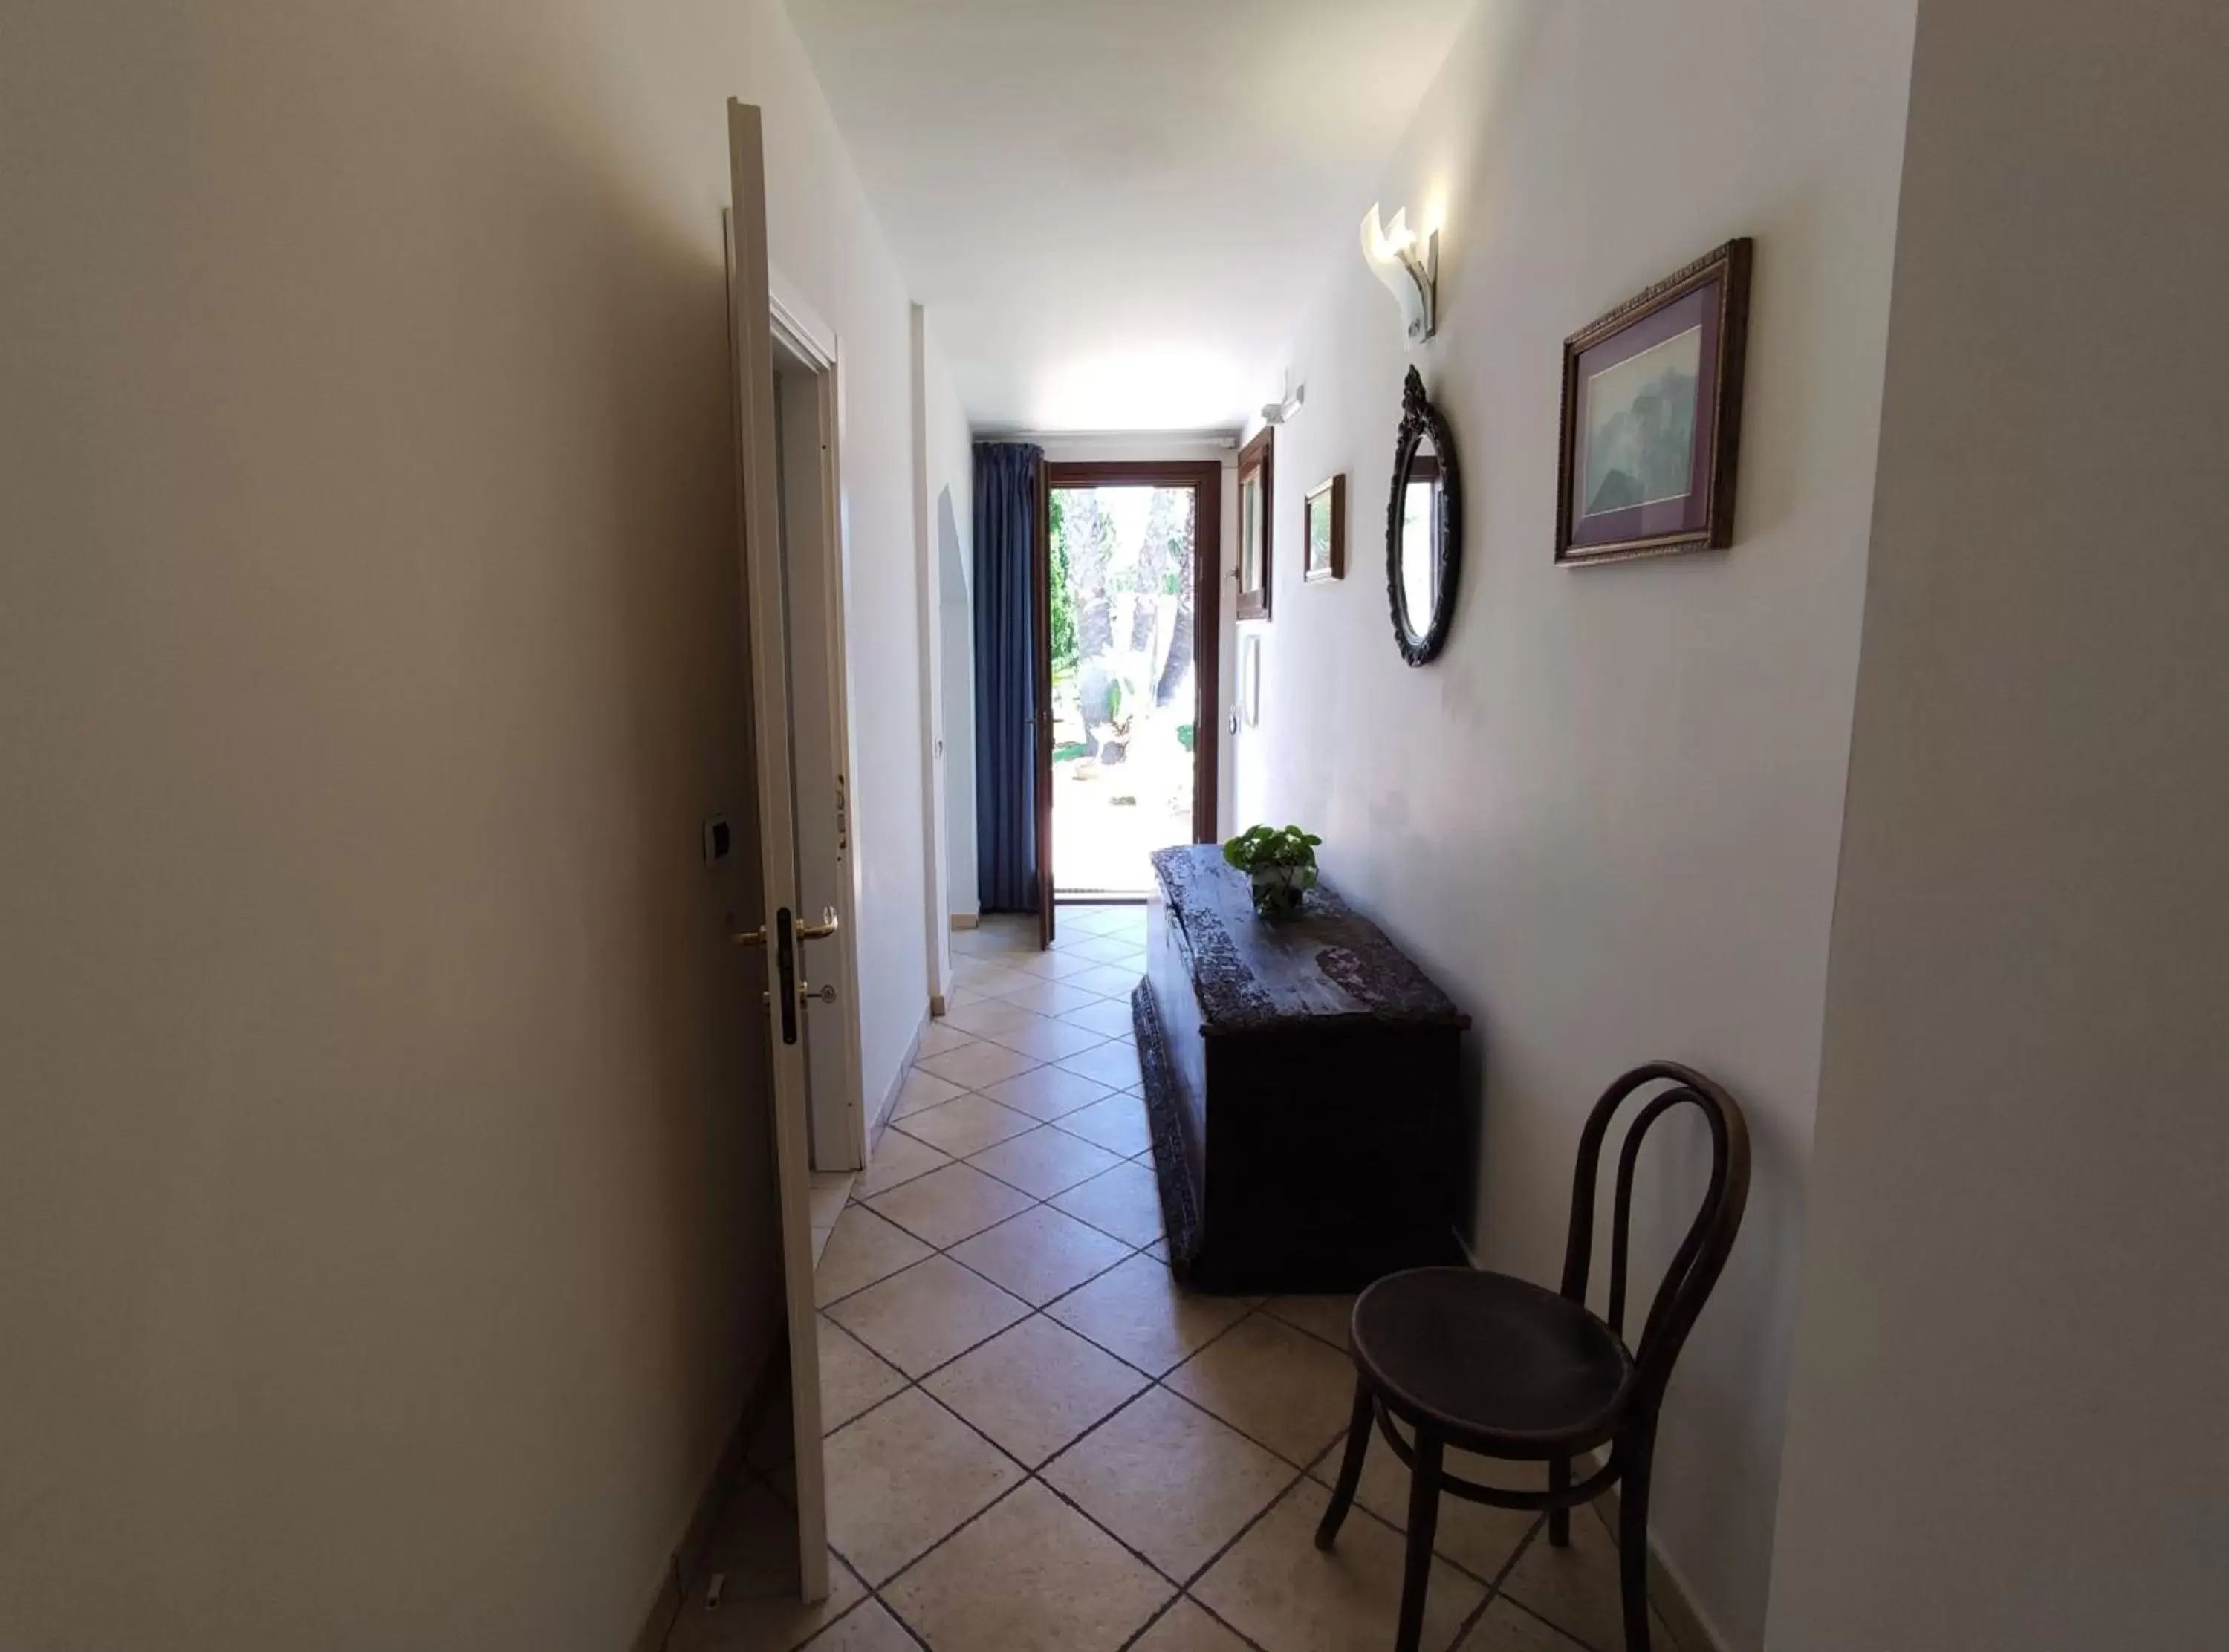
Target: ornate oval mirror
(1424, 527)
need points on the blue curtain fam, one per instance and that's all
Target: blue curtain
(1007, 477)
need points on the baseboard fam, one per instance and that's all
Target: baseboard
(1666, 1592)
(880, 1120)
(967, 919)
(684, 1567)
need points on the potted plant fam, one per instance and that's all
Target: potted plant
(1282, 863)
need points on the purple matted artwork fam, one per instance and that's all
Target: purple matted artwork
(1652, 418)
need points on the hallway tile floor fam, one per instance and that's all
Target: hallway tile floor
(1036, 1440)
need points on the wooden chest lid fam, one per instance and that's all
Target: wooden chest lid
(1326, 962)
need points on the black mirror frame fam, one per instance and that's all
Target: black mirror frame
(1420, 418)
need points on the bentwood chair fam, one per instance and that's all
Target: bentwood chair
(1502, 1367)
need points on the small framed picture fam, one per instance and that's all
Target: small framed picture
(1323, 521)
(1652, 418)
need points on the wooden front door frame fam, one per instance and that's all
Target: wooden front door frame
(1204, 479)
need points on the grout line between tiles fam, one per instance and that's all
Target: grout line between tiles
(1303, 1475)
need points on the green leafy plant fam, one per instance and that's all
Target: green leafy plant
(1282, 862)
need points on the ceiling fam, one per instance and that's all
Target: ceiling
(1116, 211)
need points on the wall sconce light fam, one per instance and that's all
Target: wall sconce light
(1409, 267)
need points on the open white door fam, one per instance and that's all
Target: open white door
(767, 634)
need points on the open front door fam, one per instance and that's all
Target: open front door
(766, 621)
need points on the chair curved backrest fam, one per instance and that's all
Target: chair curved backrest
(1695, 1266)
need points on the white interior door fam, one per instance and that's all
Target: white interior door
(767, 632)
(807, 394)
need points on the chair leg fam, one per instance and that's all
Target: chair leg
(1633, 1540)
(1559, 1519)
(1350, 1466)
(1423, 1524)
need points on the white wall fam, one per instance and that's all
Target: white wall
(383, 1215)
(2007, 1401)
(1607, 819)
(951, 540)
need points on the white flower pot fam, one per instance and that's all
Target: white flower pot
(1278, 889)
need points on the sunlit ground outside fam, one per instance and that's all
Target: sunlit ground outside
(1123, 688)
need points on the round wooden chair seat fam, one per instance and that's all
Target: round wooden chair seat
(1492, 1362)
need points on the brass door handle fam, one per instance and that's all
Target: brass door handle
(745, 936)
(828, 925)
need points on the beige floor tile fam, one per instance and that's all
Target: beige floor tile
(1576, 1588)
(1035, 1388)
(862, 1249)
(1044, 1162)
(1031, 1576)
(1475, 1536)
(989, 976)
(755, 1546)
(1113, 1064)
(853, 1378)
(902, 1477)
(927, 1314)
(946, 1206)
(1125, 1201)
(1109, 980)
(1051, 997)
(1280, 1591)
(1137, 1312)
(922, 1090)
(1056, 966)
(1325, 1318)
(990, 1014)
(896, 1158)
(1169, 1480)
(1108, 949)
(1047, 1041)
(866, 1628)
(1272, 1384)
(966, 1125)
(1187, 1627)
(1040, 1254)
(1109, 1017)
(981, 1066)
(998, 932)
(1507, 1627)
(825, 1194)
(936, 1039)
(1091, 920)
(1118, 1124)
(1047, 1092)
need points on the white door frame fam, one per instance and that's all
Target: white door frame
(929, 576)
(839, 1113)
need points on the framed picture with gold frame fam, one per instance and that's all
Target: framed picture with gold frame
(1323, 532)
(1652, 418)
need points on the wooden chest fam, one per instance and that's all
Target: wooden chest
(1303, 1082)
